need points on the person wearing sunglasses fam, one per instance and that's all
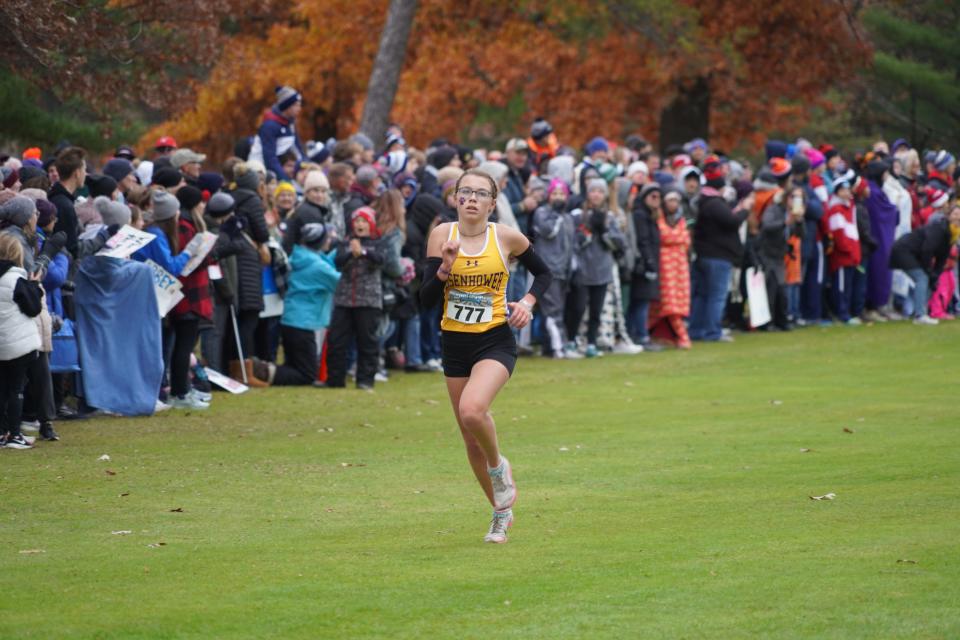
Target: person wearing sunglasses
(468, 269)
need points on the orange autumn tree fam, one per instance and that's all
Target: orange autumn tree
(589, 67)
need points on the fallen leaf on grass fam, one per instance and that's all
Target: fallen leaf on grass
(156, 545)
(901, 561)
(124, 495)
(122, 532)
(177, 510)
(329, 509)
(418, 491)
(628, 384)
(431, 401)
(847, 430)
(564, 448)
(366, 424)
(30, 552)
(110, 473)
(104, 458)
(805, 450)
(776, 403)
(506, 602)
(293, 435)
(828, 496)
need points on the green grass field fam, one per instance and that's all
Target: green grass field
(662, 495)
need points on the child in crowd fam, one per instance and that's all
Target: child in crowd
(554, 234)
(20, 303)
(358, 302)
(839, 229)
(598, 238)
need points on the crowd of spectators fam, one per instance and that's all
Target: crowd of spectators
(314, 251)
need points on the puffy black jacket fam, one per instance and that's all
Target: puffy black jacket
(249, 270)
(648, 255)
(67, 220)
(717, 234)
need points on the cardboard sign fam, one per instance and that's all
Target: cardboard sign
(126, 242)
(199, 246)
(167, 288)
(222, 381)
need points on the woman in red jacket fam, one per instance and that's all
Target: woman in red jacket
(196, 306)
(839, 228)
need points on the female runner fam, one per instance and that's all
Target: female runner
(468, 268)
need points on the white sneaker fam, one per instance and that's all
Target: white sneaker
(504, 490)
(381, 376)
(30, 425)
(627, 348)
(160, 406)
(927, 320)
(498, 527)
(435, 364)
(17, 442)
(202, 396)
(854, 322)
(188, 402)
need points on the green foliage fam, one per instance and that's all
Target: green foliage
(661, 496)
(24, 123)
(912, 87)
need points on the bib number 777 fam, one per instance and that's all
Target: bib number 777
(469, 308)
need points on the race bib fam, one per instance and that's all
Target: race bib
(469, 308)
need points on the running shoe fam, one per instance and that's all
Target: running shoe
(926, 320)
(593, 352)
(504, 489)
(202, 396)
(17, 442)
(498, 527)
(47, 432)
(188, 402)
(30, 425)
(627, 347)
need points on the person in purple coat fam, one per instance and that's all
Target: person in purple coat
(883, 224)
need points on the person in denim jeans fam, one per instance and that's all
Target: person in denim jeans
(717, 244)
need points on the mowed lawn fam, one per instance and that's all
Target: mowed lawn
(662, 495)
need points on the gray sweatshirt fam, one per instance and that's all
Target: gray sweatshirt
(554, 239)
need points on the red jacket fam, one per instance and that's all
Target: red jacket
(839, 226)
(196, 286)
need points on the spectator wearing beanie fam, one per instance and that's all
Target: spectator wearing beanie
(839, 229)
(165, 248)
(645, 281)
(97, 185)
(365, 188)
(554, 233)
(667, 313)
(307, 306)
(250, 260)
(183, 328)
(123, 172)
(217, 218)
(884, 216)
(313, 209)
(18, 218)
(812, 257)
(168, 178)
(717, 245)
(278, 133)
(358, 302)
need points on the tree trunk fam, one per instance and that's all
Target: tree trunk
(688, 116)
(385, 76)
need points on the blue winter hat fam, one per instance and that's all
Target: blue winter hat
(696, 143)
(943, 160)
(118, 168)
(663, 178)
(775, 149)
(286, 98)
(899, 142)
(597, 144)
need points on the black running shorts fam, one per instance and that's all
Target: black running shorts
(462, 350)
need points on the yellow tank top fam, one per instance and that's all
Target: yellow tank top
(475, 294)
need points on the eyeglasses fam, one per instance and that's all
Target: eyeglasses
(481, 194)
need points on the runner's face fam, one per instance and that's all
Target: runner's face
(474, 207)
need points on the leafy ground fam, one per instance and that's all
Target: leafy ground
(662, 496)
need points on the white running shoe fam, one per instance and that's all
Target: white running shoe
(30, 425)
(504, 490)
(498, 527)
(927, 320)
(188, 402)
(628, 348)
(160, 406)
(202, 396)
